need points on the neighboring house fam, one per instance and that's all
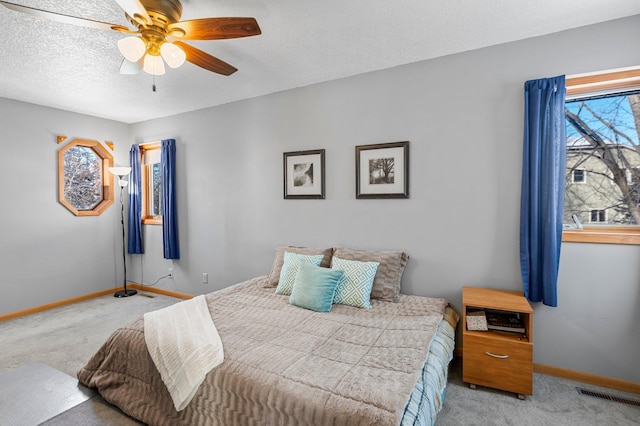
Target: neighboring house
(591, 192)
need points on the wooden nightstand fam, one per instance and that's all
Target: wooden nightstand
(499, 360)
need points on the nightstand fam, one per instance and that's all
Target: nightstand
(500, 360)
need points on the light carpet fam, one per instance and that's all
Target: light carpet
(555, 401)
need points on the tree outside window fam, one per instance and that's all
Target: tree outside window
(83, 185)
(602, 143)
(155, 187)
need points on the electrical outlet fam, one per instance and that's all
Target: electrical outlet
(170, 272)
(205, 278)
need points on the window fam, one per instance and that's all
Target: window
(84, 184)
(579, 176)
(603, 157)
(151, 184)
(598, 216)
(154, 190)
(602, 141)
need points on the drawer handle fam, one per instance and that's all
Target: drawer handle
(497, 356)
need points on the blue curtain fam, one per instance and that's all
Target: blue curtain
(135, 202)
(543, 180)
(170, 241)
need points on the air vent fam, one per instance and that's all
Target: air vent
(608, 397)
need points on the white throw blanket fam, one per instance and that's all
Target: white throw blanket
(184, 345)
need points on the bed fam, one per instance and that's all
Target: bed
(286, 365)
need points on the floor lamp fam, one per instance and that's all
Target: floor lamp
(122, 172)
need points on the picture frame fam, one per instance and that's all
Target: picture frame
(382, 170)
(304, 174)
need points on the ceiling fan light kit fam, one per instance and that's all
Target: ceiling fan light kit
(158, 33)
(134, 49)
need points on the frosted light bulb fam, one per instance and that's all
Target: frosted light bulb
(153, 65)
(132, 48)
(172, 54)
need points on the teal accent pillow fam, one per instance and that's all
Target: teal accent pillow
(314, 287)
(290, 268)
(355, 288)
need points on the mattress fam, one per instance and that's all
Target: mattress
(429, 393)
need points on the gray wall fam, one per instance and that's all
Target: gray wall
(46, 253)
(463, 117)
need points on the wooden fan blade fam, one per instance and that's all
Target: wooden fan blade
(135, 9)
(216, 28)
(204, 60)
(58, 17)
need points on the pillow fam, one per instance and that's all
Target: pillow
(314, 287)
(355, 288)
(386, 285)
(274, 276)
(290, 268)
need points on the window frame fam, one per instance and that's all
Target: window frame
(107, 188)
(146, 218)
(609, 81)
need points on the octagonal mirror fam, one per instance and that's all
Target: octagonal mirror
(84, 183)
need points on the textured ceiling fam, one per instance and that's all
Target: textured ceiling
(303, 42)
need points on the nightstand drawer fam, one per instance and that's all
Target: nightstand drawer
(497, 363)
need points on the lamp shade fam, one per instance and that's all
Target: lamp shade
(153, 65)
(132, 48)
(172, 54)
(129, 68)
(120, 171)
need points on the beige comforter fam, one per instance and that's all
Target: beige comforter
(283, 365)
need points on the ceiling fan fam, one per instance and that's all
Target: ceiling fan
(158, 34)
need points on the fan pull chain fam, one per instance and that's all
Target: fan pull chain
(153, 87)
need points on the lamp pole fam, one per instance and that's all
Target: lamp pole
(121, 172)
(125, 292)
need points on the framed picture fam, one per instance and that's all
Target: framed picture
(304, 174)
(382, 170)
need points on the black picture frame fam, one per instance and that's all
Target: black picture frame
(382, 170)
(304, 174)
